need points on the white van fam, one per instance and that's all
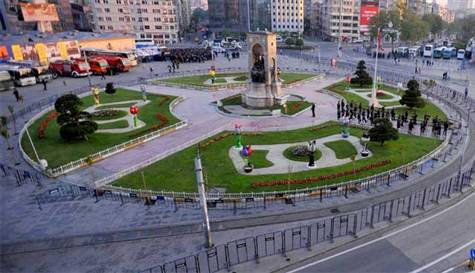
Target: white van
(460, 54)
(428, 50)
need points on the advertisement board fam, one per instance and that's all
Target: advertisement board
(39, 12)
(4, 53)
(367, 11)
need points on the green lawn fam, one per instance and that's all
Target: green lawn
(176, 172)
(220, 81)
(119, 124)
(289, 155)
(201, 79)
(430, 108)
(342, 148)
(59, 152)
(259, 160)
(293, 107)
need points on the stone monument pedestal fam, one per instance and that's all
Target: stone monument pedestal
(265, 87)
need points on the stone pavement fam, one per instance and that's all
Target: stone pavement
(284, 165)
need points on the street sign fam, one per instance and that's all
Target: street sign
(472, 253)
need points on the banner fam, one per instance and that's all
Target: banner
(17, 53)
(42, 53)
(367, 11)
(39, 12)
(4, 53)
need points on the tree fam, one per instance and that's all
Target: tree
(362, 76)
(413, 28)
(463, 28)
(436, 24)
(227, 32)
(290, 41)
(110, 88)
(383, 131)
(75, 123)
(412, 97)
(299, 43)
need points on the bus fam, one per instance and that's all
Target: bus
(446, 53)
(6, 82)
(130, 55)
(437, 53)
(22, 76)
(41, 72)
(428, 51)
(139, 43)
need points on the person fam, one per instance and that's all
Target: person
(103, 75)
(313, 110)
(16, 94)
(466, 92)
(44, 85)
(151, 70)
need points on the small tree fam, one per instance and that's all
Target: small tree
(110, 88)
(362, 76)
(290, 41)
(412, 97)
(6, 135)
(75, 123)
(382, 131)
(299, 43)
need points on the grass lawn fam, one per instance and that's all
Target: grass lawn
(201, 79)
(342, 148)
(220, 81)
(304, 158)
(430, 108)
(58, 151)
(293, 107)
(259, 160)
(176, 172)
(119, 124)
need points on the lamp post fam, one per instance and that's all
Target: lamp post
(88, 67)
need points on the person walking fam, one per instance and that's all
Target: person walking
(103, 75)
(313, 110)
(44, 85)
(16, 94)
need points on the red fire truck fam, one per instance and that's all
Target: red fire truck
(73, 68)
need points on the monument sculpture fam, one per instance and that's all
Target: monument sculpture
(265, 87)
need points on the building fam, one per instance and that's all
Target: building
(331, 11)
(152, 19)
(287, 15)
(4, 26)
(230, 14)
(183, 8)
(82, 15)
(13, 16)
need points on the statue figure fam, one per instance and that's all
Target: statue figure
(144, 92)
(95, 94)
(237, 137)
(258, 70)
(311, 153)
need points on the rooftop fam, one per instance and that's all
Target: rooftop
(35, 36)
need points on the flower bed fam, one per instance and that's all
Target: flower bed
(320, 178)
(108, 114)
(163, 120)
(44, 124)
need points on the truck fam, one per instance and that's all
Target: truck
(98, 66)
(116, 63)
(73, 68)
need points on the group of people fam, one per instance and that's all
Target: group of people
(190, 55)
(355, 112)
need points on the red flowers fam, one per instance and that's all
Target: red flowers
(320, 178)
(44, 124)
(163, 120)
(215, 139)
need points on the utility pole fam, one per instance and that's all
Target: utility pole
(203, 204)
(374, 99)
(248, 17)
(88, 68)
(339, 29)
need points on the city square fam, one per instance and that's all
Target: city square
(270, 156)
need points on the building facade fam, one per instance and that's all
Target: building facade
(155, 19)
(82, 15)
(183, 8)
(287, 15)
(336, 12)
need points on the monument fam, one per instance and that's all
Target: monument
(265, 87)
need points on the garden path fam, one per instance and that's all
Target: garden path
(129, 117)
(283, 165)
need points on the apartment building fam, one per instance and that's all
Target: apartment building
(336, 12)
(287, 15)
(155, 19)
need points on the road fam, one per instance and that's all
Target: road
(431, 245)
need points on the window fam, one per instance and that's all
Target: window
(109, 19)
(147, 27)
(110, 27)
(158, 27)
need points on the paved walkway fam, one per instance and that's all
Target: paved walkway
(284, 165)
(366, 94)
(129, 117)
